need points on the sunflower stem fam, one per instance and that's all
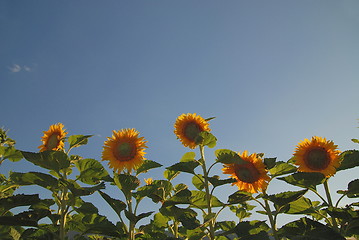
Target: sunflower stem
(330, 203)
(271, 219)
(208, 194)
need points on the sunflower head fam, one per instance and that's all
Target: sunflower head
(187, 128)
(251, 176)
(317, 155)
(148, 181)
(125, 149)
(53, 138)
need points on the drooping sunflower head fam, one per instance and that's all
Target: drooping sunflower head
(54, 138)
(125, 149)
(187, 128)
(317, 155)
(251, 176)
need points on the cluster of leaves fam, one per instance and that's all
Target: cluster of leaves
(184, 212)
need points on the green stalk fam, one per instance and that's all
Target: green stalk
(271, 219)
(330, 203)
(63, 211)
(208, 195)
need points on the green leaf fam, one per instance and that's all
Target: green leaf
(27, 218)
(52, 160)
(308, 229)
(77, 190)
(10, 153)
(35, 178)
(355, 140)
(198, 181)
(302, 205)
(158, 191)
(126, 182)
(188, 157)
(282, 168)
(206, 139)
(215, 181)
(117, 205)
(199, 200)
(159, 220)
(226, 225)
(147, 165)
(170, 175)
(227, 156)
(353, 189)
(87, 208)
(239, 197)
(250, 230)
(305, 179)
(181, 197)
(282, 199)
(91, 171)
(18, 200)
(350, 159)
(270, 162)
(78, 140)
(186, 216)
(184, 167)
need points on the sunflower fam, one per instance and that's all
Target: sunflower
(53, 138)
(187, 128)
(148, 181)
(125, 149)
(317, 155)
(251, 176)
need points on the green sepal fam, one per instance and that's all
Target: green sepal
(350, 159)
(282, 168)
(227, 156)
(78, 140)
(52, 160)
(147, 165)
(304, 179)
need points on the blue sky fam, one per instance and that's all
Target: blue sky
(271, 72)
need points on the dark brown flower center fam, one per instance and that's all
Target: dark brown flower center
(125, 151)
(247, 172)
(191, 130)
(317, 159)
(52, 142)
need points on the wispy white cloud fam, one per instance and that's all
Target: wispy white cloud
(15, 68)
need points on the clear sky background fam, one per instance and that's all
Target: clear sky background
(271, 72)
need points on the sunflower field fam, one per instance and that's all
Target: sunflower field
(186, 210)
